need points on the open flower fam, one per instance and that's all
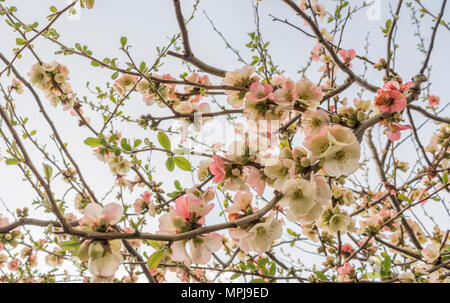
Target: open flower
(279, 172)
(242, 200)
(17, 85)
(430, 252)
(344, 161)
(105, 266)
(314, 120)
(240, 78)
(308, 93)
(125, 83)
(255, 180)
(262, 235)
(433, 100)
(347, 55)
(98, 217)
(299, 196)
(119, 166)
(259, 92)
(390, 101)
(217, 169)
(394, 129)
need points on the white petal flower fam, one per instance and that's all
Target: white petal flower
(343, 162)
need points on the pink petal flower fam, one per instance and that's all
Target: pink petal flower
(390, 101)
(259, 91)
(433, 100)
(217, 168)
(393, 132)
(111, 213)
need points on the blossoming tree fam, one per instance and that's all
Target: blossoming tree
(304, 166)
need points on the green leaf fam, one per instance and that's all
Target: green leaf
(53, 9)
(183, 163)
(403, 197)
(164, 141)
(170, 164)
(273, 269)
(235, 276)
(48, 171)
(155, 259)
(257, 281)
(125, 145)
(70, 244)
(20, 41)
(262, 263)
(154, 243)
(445, 178)
(321, 276)
(92, 142)
(123, 41)
(13, 161)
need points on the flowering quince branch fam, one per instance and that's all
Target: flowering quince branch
(188, 54)
(296, 170)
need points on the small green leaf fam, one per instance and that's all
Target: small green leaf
(125, 145)
(154, 243)
(183, 163)
(321, 276)
(92, 142)
(235, 276)
(123, 41)
(20, 41)
(273, 269)
(155, 259)
(70, 244)
(170, 164)
(53, 9)
(12, 161)
(445, 178)
(48, 171)
(403, 197)
(164, 140)
(257, 281)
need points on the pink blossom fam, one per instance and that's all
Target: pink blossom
(347, 55)
(433, 100)
(254, 179)
(346, 269)
(242, 200)
(217, 168)
(390, 101)
(13, 264)
(394, 129)
(97, 216)
(285, 95)
(259, 92)
(347, 248)
(392, 84)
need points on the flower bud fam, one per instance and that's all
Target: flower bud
(83, 252)
(351, 123)
(95, 250)
(361, 115)
(305, 162)
(89, 3)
